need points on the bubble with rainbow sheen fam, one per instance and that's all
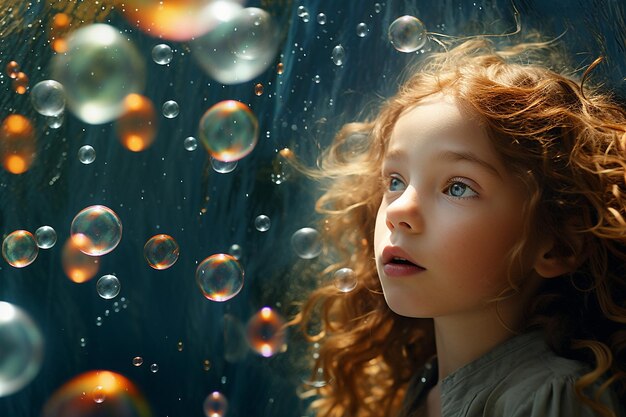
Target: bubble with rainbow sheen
(215, 405)
(95, 394)
(229, 130)
(100, 229)
(20, 248)
(21, 348)
(161, 251)
(98, 70)
(220, 277)
(407, 34)
(241, 46)
(46, 237)
(266, 332)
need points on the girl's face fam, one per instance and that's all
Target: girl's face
(450, 213)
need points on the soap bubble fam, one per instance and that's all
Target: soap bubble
(12, 69)
(220, 277)
(161, 251)
(86, 154)
(190, 143)
(95, 394)
(17, 143)
(137, 361)
(108, 286)
(170, 109)
(321, 18)
(100, 68)
(229, 130)
(378, 7)
(306, 243)
(345, 279)
(361, 30)
(99, 228)
(162, 54)
(262, 223)
(137, 126)
(258, 89)
(154, 368)
(20, 248)
(407, 34)
(266, 333)
(223, 167)
(236, 251)
(48, 98)
(21, 349)
(215, 405)
(78, 266)
(20, 83)
(338, 55)
(302, 11)
(240, 47)
(46, 237)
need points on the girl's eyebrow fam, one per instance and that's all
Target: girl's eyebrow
(454, 156)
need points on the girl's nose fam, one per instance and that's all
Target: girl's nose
(404, 213)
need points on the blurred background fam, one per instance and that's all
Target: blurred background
(150, 220)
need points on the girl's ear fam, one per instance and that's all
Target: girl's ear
(549, 263)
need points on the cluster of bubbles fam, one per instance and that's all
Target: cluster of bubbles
(20, 79)
(219, 277)
(21, 348)
(161, 251)
(20, 248)
(97, 393)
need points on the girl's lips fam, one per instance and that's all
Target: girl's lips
(391, 254)
(401, 270)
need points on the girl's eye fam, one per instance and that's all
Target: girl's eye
(395, 184)
(459, 189)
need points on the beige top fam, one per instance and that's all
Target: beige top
(522, 377)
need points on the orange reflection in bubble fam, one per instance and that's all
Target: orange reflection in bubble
(266, 333)
(78, 266)
(59, 28)
(97, 393)
(20, 83)
(137, 126)
(178, 20)
(12, 69)
(17, 143)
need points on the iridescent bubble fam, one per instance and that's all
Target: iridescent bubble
(229, 130)
(137, 361)
(223, 167)
(407, 34)
(78, 266)
(86, 154)
(21, 349)
(306, 243)
(190, 143)
(97, 229)
(321, 18)
(17, 143)
(96, 394)
(345, 279)
(338, 55)
(262, 223)
(240, 47)
(170, 109)
(108, 286)
(361, 30)
(20, 248)
(215, 405)
(48, 98)
(220, 277)
(161, 251)
(266, 332)
(46, 237)
(236, 251)
(98, 70)
(162, 54)
(137, 126)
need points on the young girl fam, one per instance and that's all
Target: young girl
(483, 213)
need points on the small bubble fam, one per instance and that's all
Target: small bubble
(83, 342)
(262, 223)
(235, 251)
(345, 279)
(258, 89)
(98, 394)
(306, 17)
(206, 365)
(154, 368)
(170, 109)
(46, 237)
(361, 30)
(162, 54)
(108, 286)
(190, 143)
(378, 7)
(321, 18)
(301, 12)
(137, 361)
(98, 321)
(338, 55)
(317, 79)
(280, 68)
(86, 154)
(179, 346)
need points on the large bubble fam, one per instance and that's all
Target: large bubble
(220, 277)
(21, 349)
(17, 143)
(97, 394)
(100, 68)
(229, 130)
(240, 47)
(97, 229)
(179, 20)
(48, 98)
(266, 332)
(407, 34)
(20, 248)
